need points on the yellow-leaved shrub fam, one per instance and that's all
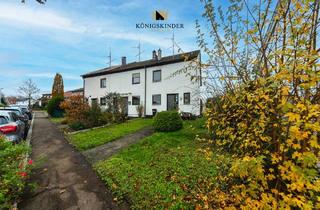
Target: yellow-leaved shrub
(266, 127)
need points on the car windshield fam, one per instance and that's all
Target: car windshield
(16, 111)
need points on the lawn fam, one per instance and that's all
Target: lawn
(93, 138)
(57, 120)
(160, 171)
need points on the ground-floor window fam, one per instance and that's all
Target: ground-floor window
(103, 101)
(135, 100)
(94, 101)
(186, 98)
(156, 99)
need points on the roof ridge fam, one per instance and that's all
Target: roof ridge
(150, 62)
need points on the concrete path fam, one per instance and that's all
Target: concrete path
(64, 179)
(107, 150)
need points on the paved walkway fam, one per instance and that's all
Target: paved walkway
(64, 179)
(107, 150)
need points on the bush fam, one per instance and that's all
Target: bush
(167, 121)
(53, 107)
(94, 117)
(140, 110)
(117, 107)
(12, 172)
(77, 126)
(75, 108)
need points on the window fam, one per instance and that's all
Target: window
(136, 78)
(186, 98)
(156, 99)
(156, 76)
(94, 101)
(103, 101)
(3, 120)
(103, 83)
(135, 100)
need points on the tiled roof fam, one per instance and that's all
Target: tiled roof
(142, 64)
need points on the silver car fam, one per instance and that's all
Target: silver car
(11, 127)
(23, 117)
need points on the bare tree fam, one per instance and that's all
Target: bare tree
(28, 89)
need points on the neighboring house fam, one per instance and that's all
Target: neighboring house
(155, 84)
(47, 96)
(75, 92)
(12, 100)
(25, 101)
(44, 99)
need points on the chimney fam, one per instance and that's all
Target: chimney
(154, 55)
(124, 60)
(159, 54)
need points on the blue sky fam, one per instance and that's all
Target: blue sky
(73, 37)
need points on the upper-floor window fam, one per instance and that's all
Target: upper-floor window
(156, 77)
(103, 83)
(135, 100)
(156, 99)
(186, 98)
(103, 101)
(136, 78)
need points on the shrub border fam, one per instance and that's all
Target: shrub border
(28, 140)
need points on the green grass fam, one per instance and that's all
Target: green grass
(93, 138)
(57, 120)
(160, 171)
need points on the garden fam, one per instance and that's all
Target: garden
(76, 113)
(13, 172)
(162, 170)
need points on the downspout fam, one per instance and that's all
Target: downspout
(200, 72)
(145, 91)
(83, 84)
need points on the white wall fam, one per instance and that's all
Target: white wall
(122, 83)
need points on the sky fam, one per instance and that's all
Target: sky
(73, 37)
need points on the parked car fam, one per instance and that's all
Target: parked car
(24, 109)
(23, 117)
(11, 127)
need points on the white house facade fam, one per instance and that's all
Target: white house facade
(158, 84)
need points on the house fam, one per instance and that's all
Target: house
(74, 92)
(158, 84)
(47, 96)
(43, 101)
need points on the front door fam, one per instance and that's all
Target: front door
(172, 102)
(125, 105)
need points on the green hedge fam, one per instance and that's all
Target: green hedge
(167, 121)
(53, 107)
(12, 172)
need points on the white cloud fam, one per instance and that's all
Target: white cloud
(44, 18)
(51, 75)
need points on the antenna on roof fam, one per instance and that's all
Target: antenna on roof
(110, 57)
(139, 50)
(174, 44)
(172, 39)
